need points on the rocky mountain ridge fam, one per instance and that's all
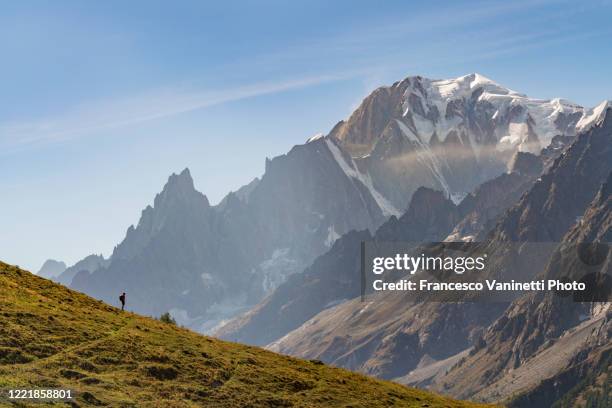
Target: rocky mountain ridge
(544, 343)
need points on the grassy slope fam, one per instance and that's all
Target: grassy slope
(51, 336)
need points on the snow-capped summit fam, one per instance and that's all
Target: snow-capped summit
(484, 112)
(451, 134)
(473, 108)
(462, 86)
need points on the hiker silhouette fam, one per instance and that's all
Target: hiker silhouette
(122, 300)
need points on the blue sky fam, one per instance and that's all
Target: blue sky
(101, 101)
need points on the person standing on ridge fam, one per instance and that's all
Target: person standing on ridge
(122, 300)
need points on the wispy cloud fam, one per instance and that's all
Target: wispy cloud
(102, 115)
(406, 29)
(420, 41)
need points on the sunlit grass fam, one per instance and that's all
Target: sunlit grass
(52, 337)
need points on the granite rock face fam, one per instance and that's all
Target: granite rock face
(547, 347)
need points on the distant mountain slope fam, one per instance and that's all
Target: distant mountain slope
(328, 281)
(334, 276)
(53, 337)
(90, 264)
(541, 348)
(51, 269)
(492, 198)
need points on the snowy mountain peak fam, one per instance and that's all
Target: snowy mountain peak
(450, 134)
(475, 109)
(594, 116)
(465, 85)
(485, 112)
(453, 88)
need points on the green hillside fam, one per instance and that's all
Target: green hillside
(52, 337)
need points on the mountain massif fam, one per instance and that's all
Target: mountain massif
(207, 263)
(420, 341)
(277, 263)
